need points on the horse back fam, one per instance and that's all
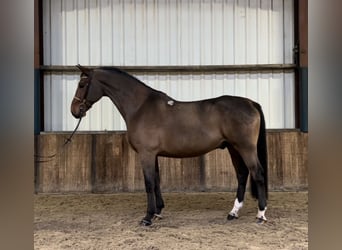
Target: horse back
(180, 129)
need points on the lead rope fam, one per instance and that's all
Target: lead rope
(48, 158)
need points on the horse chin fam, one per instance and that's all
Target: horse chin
(79, 114)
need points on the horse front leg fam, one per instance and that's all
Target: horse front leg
(157, 192)
(148, 165)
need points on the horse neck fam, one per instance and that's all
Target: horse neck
(127, 93)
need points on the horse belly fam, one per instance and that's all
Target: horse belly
(190, 144)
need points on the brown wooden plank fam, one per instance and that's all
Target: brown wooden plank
(171, 171)
(275, 161)
(295, 173)
(75, 164)
(106, 163)
(191, 172)
(47, 171)
(220, 173)
(303, 169)
(108, 167)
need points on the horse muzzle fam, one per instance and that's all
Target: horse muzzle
(78, 109)
(78, 114)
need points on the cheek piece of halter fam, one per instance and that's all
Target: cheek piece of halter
(85, 104)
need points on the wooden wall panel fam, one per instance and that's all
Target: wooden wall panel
(70, 170)
(170, 176)
(107, 167)
(105, 163)
(46, 177)
(76, 161)
(219, 171)
(287, 157)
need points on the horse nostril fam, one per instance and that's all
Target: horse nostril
(82, 107)
(83, 110)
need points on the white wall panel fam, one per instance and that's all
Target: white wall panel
(170, 32)
(274, 91)
(288, 31)
(167, 32)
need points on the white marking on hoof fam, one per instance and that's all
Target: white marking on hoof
(170, 103)
(261, 216)
(237, 206)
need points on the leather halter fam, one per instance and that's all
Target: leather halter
(83, 100)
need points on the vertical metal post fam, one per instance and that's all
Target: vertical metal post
(303, 63)
(303, 93)
(38, 58)
(36, 101)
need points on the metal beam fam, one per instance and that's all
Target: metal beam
(182, 69)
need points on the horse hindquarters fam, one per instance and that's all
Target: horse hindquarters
(250, 152)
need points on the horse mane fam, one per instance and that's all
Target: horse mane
(114, 69)
(120, 71)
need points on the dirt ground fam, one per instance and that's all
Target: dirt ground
(191, 221)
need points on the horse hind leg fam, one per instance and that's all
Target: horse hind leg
(257, 174)
(242, 176)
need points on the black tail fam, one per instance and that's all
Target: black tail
(262, 153)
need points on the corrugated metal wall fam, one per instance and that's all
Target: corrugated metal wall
(167, 32)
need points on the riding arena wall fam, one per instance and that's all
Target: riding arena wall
(105, 163)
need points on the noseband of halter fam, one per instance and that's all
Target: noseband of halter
(83, 100)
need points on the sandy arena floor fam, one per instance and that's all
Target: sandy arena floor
(191, 221)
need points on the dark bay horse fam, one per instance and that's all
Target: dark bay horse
(158, 125)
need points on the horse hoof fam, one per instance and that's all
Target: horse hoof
(145, 223)
(261, 221)
(157, 217)
(232, 217)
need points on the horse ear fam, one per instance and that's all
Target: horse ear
(84, 70)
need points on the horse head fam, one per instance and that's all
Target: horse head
(87, 93)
